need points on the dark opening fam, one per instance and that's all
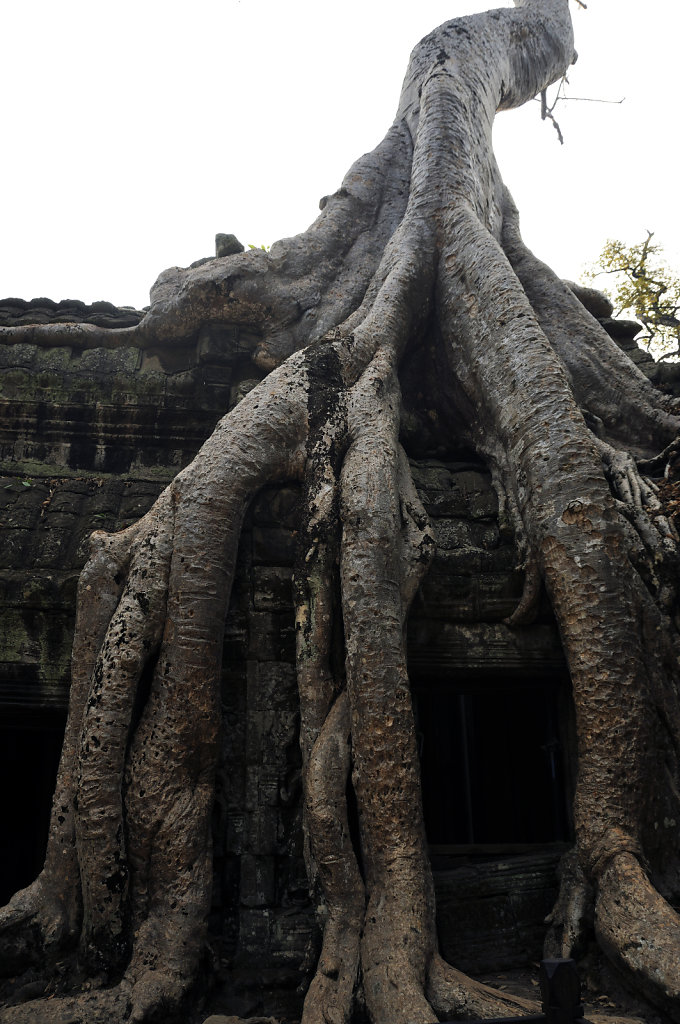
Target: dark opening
(491, 762)
(28, 764)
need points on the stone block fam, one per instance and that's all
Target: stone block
(276, 506)
(258, 881)
(237, 832)
(490, 913)
(271, 636)
(272, 713)
(497, 595)
(437, 647)
(272, 588)
(261, 787)
(137, 499)
(255, 926)
(15, 546)
(263, 823)
(441, 593)
(273, 545)
(270, 684)
(240, 389)
(430, 475)
(451, 534)
(470, 561)
(268, 790)
(292, 933)
(217, 343)
(52, 545)
(227, 244)
(235, 641)
(483, 503)
(451, 490)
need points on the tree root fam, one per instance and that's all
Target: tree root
(640, 932)
(331, 993)
(527, 609)
(454, 996)
(570, 921)
(49, 911)
(102, 1007)
(661, 463)
(605, 381)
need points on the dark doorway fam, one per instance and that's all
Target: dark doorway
(492, 761)
(29, 758)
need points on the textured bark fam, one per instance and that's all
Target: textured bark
(421, 242)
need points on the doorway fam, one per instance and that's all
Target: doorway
(493, 760)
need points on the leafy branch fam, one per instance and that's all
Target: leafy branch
(646, 289)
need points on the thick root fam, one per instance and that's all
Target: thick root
(639, 932)
(110, 1006)
(158, 993)
(398, 936)
(605, 381)
(571, 919)
(331, 993)
(526, 611)
(133, 635)
(45, 918)
(455, 996)
(36, 923)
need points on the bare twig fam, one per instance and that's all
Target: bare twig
(590, 99)
(547, 115)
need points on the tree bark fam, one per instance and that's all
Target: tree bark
(422, 240)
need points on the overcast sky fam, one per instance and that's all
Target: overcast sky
(134, 131)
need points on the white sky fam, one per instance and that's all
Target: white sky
(134, 131)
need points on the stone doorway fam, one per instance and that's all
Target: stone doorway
(492, 755)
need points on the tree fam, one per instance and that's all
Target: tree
(419, 251)
(646, 289)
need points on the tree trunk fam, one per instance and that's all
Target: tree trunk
(421, 241)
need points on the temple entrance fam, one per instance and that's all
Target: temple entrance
(492, 757)
(495, 748)
(29, 757)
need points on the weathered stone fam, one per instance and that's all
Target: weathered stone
(227, 245)
(220, 1018)
(272, 589)
(263, 823)
(14, 312)
(273, 546)
(622, 331)
(239, 390)
(489, 913)
(258, 881)
(459, 533)
(640, 356)
(271, 636)
(439, 648)
(594, 300)
(217, 343)
(276, 506)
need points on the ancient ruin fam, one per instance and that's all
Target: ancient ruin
(399, 418)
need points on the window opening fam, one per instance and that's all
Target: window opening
(493, 761)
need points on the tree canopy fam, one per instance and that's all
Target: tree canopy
(643, 286)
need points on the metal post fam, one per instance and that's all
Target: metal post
(561, 992)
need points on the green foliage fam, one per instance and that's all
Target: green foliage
(646, 290)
